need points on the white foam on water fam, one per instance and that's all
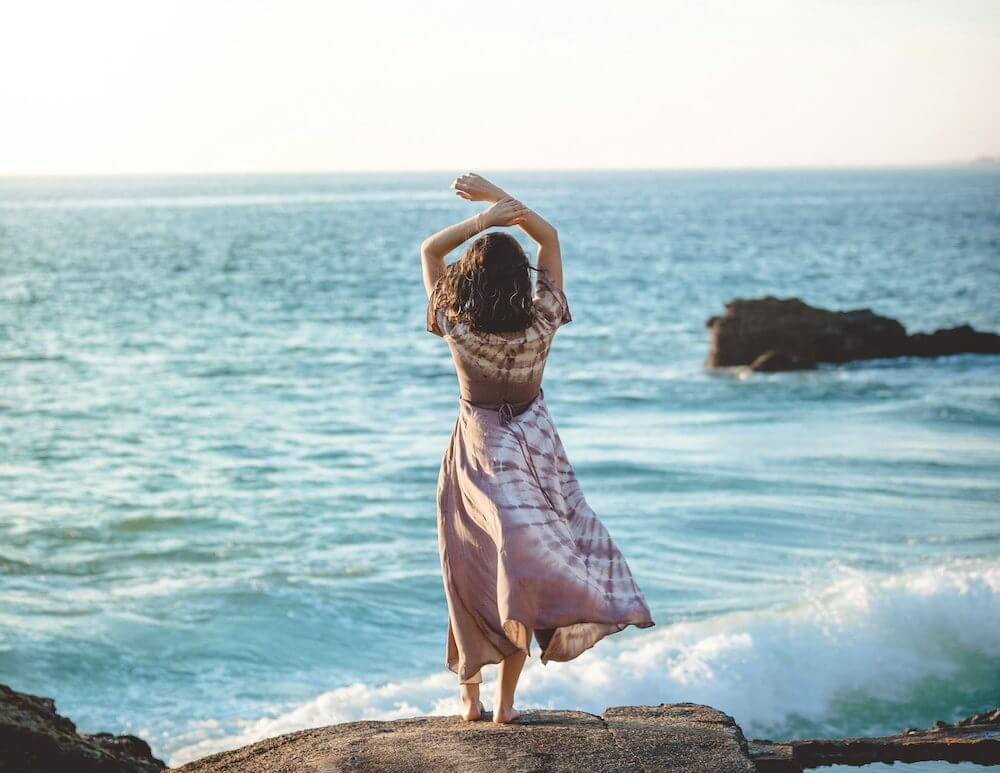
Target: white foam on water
(863, 633)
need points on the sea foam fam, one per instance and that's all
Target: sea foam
(862, 636)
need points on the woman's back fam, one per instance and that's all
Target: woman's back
(497, 368)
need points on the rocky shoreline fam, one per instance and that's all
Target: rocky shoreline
(776, 334)
(680, 738)
(35, 738)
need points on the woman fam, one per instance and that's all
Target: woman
(522, 552)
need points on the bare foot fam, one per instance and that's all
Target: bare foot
(502, 717)
(472, 713)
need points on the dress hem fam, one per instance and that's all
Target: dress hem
(545, 657)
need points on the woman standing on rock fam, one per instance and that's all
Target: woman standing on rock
(522, 552)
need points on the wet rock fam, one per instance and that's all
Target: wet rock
(36, 739)
(974, 739)
(955, 340)
(771, 334)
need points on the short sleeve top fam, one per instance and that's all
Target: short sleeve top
(551, 313)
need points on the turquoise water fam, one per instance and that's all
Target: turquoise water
(222, 421)
(913, 767)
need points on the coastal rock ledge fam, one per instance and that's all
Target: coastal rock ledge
(674, 738)
(685, 737)
(36, 739)
(774, 334)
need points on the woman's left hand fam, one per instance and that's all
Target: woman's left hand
(506, 212)
(472, 187)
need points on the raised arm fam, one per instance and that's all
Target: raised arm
(504, 212)
(472, 187)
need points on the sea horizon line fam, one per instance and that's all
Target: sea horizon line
(986, 162)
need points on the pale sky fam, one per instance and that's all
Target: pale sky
(104, 87)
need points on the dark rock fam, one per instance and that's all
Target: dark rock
(796, 335)
(955, 340)
(680, 737)
(974, 739)
(35, 739)
(986, 718)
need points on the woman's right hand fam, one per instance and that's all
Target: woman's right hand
(472, 187)
(506, 212)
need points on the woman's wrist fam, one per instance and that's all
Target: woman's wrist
(496, 194)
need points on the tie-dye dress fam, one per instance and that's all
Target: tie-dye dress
(521, 551)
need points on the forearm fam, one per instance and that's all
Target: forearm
(474, 187)
(541, 231)
(538, 228)
(447, 239)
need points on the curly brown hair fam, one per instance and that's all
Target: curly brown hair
(489, 287)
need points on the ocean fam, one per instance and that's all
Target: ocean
(222, 418)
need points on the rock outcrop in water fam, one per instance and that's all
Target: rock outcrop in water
(773, 334)
(35, 739)
(974, 739)
(675, 738)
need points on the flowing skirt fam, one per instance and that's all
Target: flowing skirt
(522, 552)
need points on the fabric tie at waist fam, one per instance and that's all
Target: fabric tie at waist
(501, 416)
